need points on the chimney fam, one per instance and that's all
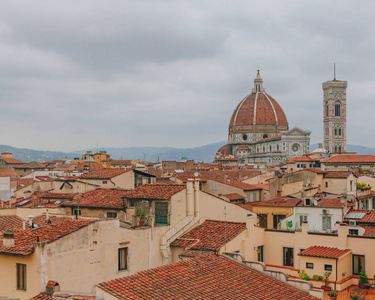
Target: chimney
(8, 239)
(23, 224)
(52, 287)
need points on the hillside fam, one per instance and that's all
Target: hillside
(154, 154)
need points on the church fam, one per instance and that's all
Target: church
(259, 131)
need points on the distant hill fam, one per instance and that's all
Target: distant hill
(154, 154)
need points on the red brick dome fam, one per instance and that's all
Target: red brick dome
(258, 108)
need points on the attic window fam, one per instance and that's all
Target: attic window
(104, 181)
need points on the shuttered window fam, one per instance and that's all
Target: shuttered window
(123, 258)
(21, 277)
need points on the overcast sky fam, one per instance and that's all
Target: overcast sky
(170, 73)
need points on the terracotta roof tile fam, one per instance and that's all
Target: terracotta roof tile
(12, 160)
(284, 201)
(350, 159)
(223, 174)
(305, 158)
(248, 205)
(103, 174)
(31, 165)
(325, 252)
(205, 277)
(6, 172)
(101, 198)
(42, 296)
(210, 235)
(327, 203)
(25, 239)
(165, 181)
(368, 217)
(238, 184)
(337, 174)
(11, 222)
(155, 191)
(369, 230)
(264, 186)
(234, 196)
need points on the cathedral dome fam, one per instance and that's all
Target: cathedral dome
(258, 109)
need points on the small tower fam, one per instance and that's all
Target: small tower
(334, 115)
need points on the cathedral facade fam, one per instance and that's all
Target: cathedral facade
(259, 131)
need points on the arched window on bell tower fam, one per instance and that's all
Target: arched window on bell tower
(337, 109)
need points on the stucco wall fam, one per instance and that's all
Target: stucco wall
(8, 276)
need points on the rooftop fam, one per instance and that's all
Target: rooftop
(25, 239)
(324, 252)
(234, 196)
(155, 191)
(210, 235)
(205, 277)
(10, 222)
(101, 198)
(350, 159)
(103, 174)
(337, 174)
(284, 201)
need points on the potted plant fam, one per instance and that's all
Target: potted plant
(141, 214)
(355, 297)
(303, 276)
(332, 295)
(317, 277)
(326, 286)
(363, 280)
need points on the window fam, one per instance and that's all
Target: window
(255, 196)
(104, 181)
(77, 212)
(339, 131)
(327, 267)
(302, 218)
(288, 257)
(161, 213)
(327, 110)
(262, 220)
(214, 187)
(298, 165)
(21, 277)
(358, 264)
(326, 222)
(260, 253)
(309, 265)
(276, 220)
(111, 214)
(337, 110)
(353, 231)
(326, 184)
(335, 131)
(248, 197)
(123, 258)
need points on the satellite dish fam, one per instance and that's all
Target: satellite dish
(315, 203)
(196, 174)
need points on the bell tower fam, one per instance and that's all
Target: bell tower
(334, 115)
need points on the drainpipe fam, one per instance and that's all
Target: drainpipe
(336, 274)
